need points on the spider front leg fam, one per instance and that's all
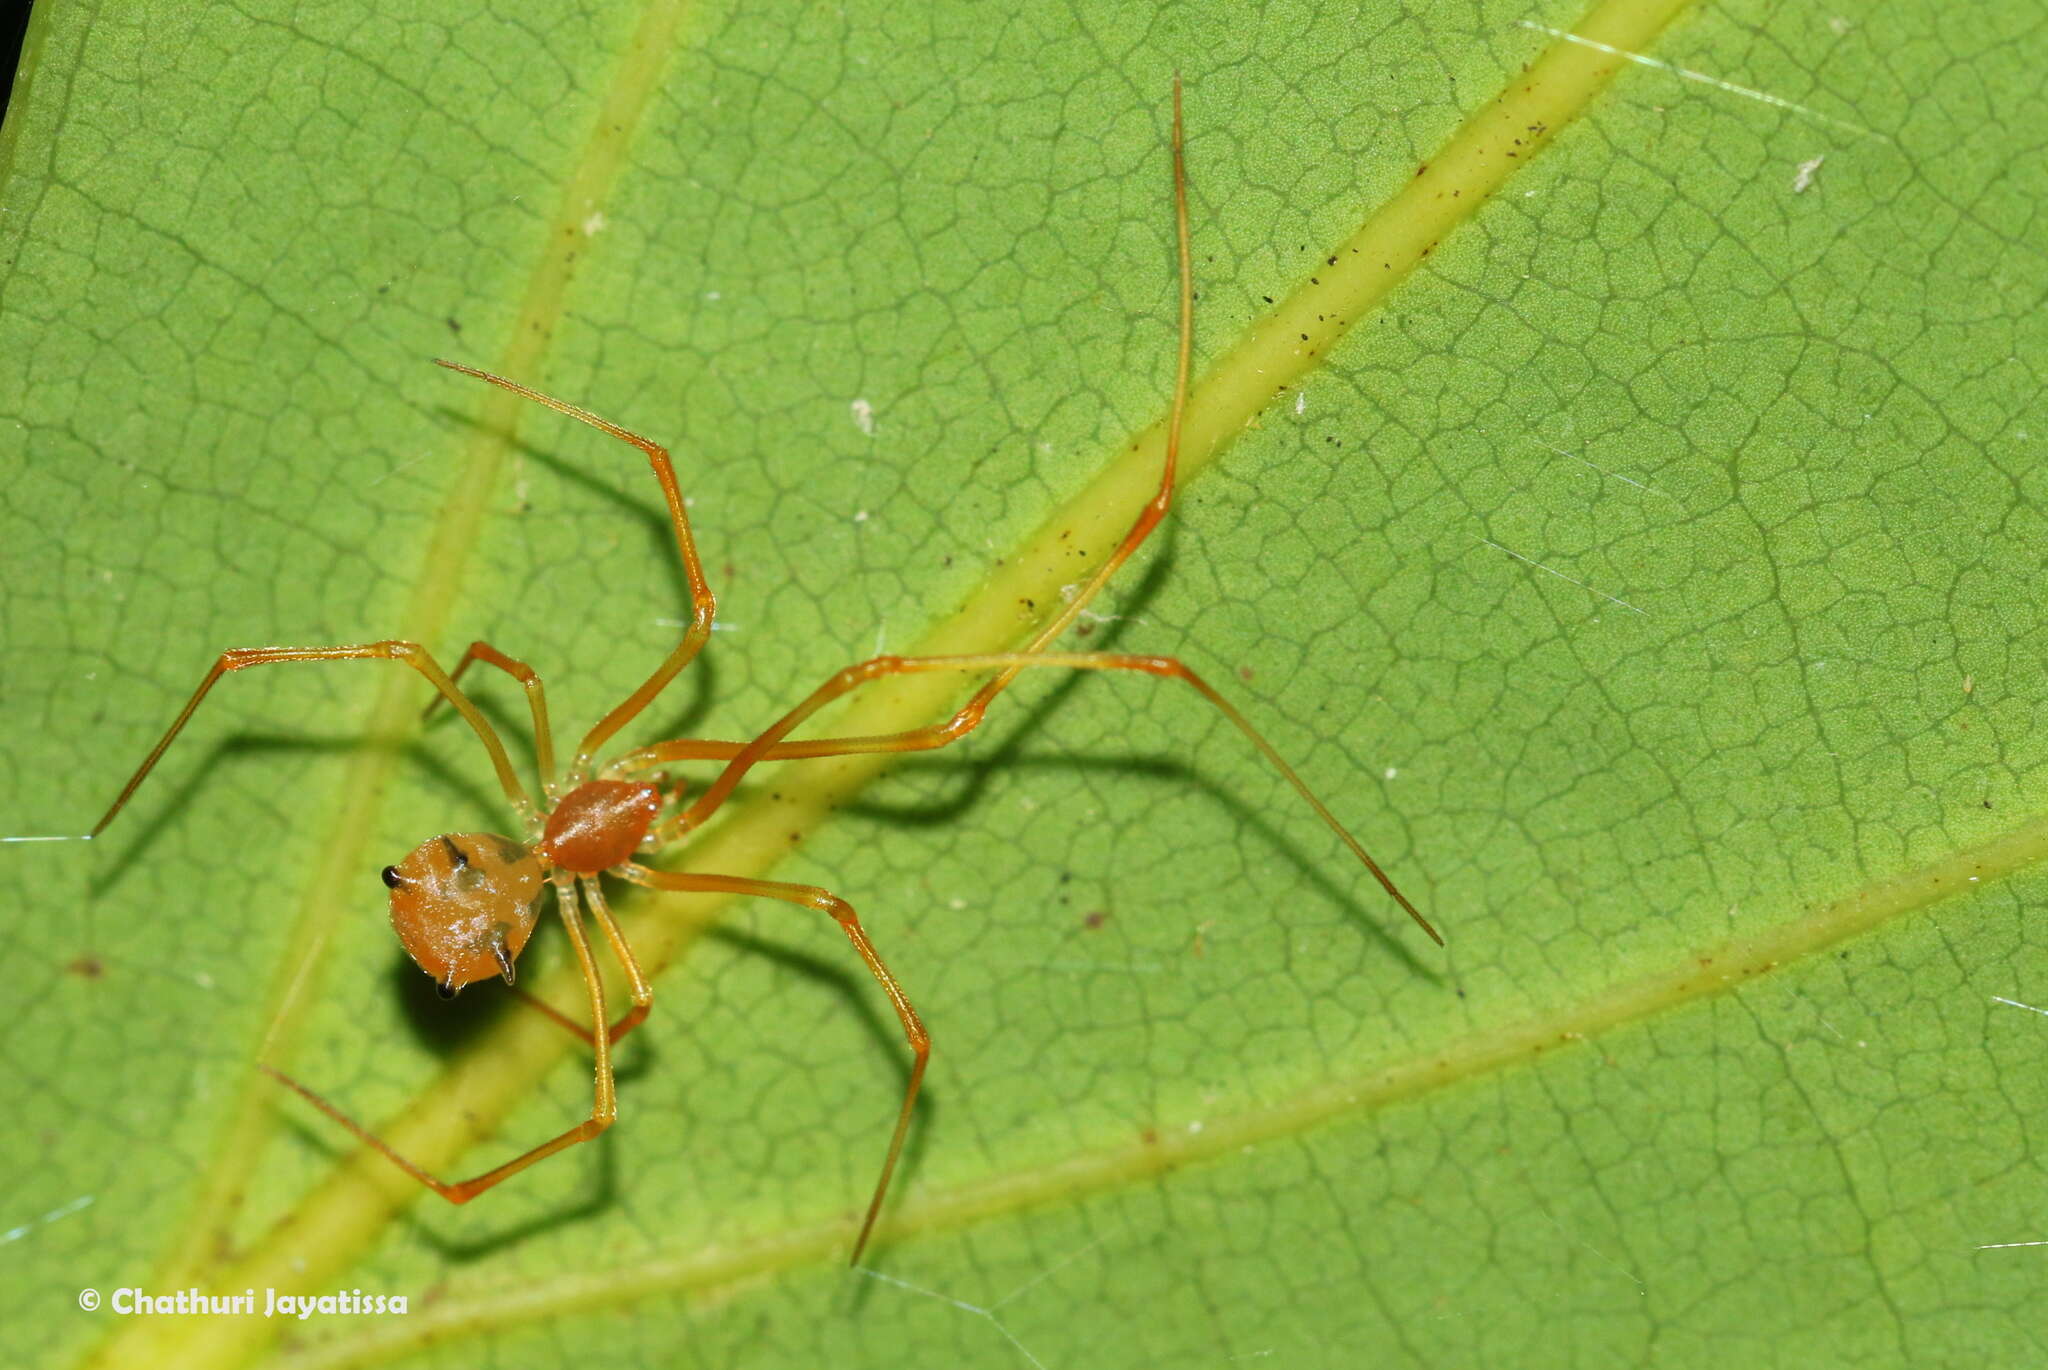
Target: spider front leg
(810, 896)
(405, 653)
(702, 605)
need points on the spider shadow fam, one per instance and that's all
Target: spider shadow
(444, 1027)
(659, 533)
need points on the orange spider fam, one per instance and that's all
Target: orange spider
(464, 904)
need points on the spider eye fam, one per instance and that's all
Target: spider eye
(392, 878)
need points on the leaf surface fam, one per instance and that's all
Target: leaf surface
(1648, 580)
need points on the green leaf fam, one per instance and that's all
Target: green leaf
(1649, 580)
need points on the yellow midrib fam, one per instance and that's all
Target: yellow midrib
(333, 1225)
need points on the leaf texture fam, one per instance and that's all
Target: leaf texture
(1647, 577)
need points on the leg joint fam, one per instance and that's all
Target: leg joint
(826, 902)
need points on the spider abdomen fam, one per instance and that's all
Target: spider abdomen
(599, 824)
(463, 904)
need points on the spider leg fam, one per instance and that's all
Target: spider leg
(849, 923)
(536, 701)
(702, 604)
(604, 1102)
(405, 653)
(1155, 510)
(770, 745)
(637, 986)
